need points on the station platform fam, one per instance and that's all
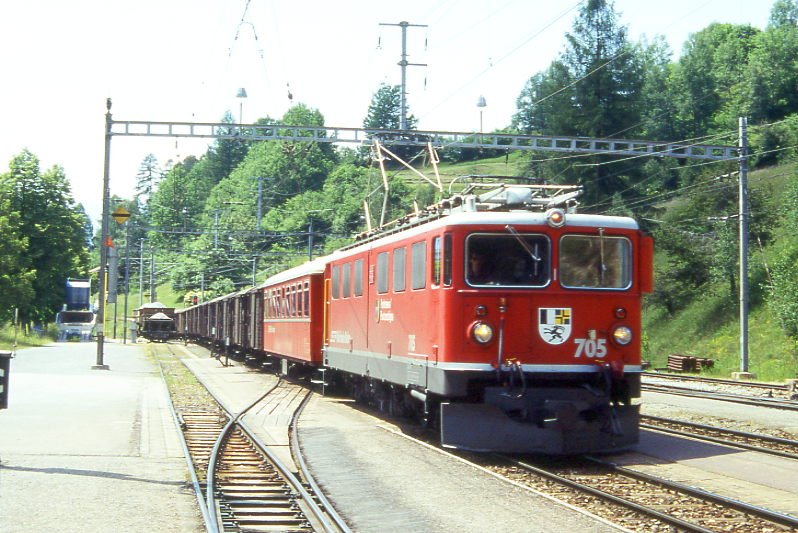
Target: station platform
(84, 449)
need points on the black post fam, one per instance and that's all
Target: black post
(127, 279)
(5, 369)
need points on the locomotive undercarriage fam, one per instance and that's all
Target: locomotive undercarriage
(584, 414)
(511, 412)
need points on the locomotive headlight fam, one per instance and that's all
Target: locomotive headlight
(555, 218)
(482, 332)
(622, 335)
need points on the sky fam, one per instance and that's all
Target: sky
(184, 60)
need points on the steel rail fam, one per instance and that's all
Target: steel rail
(217, 448)
(719, 381)
(761, 512)
(318, 513)
(211, 525)
(716, 440)
(286, 472)
(303, 467)
(629, 504)
(722, 396)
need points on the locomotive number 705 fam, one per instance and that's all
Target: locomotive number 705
(590, 348)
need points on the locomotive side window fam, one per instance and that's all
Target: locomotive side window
(508, 259)
(595, 262)
(436, 261)
(418, 268)
(346, 289)
(358, 277)
(336, 281)
(382, 273)
(399, 269)
(447, 260)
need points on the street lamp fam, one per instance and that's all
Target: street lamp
(242, 93)
(481, 104)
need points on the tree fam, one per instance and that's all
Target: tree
(784, 13)
(772, 74)
(54, 227)
(385, 113)
(385, 110)
(606, 98)
(708, 82)
(16, 273)
(227, 153)
(544, 106)
(593, 90)
(147, 179)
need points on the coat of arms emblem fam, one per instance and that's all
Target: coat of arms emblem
(554, 324)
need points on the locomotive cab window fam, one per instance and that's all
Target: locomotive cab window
(507, 260)
(595, 262)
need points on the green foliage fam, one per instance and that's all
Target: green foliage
(709, 78)
(784, 13)
(46, 238)
(783, 288)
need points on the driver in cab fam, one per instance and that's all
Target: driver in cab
(480, 268)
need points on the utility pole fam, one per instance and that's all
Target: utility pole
(103, 238)
(153, 296)
(744, 213)
(404, 64)
(141, 273)
(310, 239)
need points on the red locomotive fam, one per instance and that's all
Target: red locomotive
(512, 324)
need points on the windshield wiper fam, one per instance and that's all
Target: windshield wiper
(603, 267)
(522, 242)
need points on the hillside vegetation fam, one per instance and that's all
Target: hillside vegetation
(219, 221)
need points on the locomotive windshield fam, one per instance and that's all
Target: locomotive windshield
(508, 259)
(595, 262)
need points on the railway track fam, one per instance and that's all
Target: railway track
(726, 396)
(758, 442)
(642, 502)
(772, 390)
(629, 499)
(241, 484)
